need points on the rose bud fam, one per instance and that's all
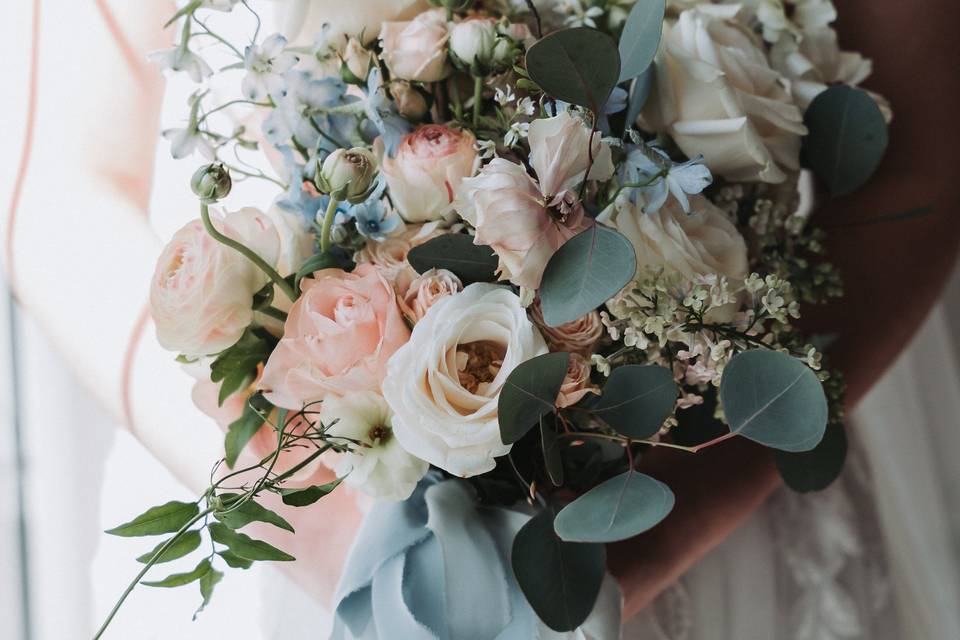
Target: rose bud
(410, 102)
(357, 61)
(211, 182)
(472, 43)
(348, 174)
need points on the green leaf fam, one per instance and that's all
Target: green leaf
(263, 298)
(815, 470)
(185, 544)
(234, 561)
(529, 393)
(167, 518)
(456, 253)
(589, 269)
(320, 261)
(640, 38)
(248, 512)
(308, 495)
(622, 507)
(580, 66)
(236, 367)
(208, 581)
(636, 400)
(241, 430)
(552, 459)
(640, 89)
(847, 138)
(245, 546)
(774, 399)
(560, 579)
(180, 579)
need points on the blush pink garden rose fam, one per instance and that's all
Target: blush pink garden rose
(337, 338)
(577, 336)
(390, 255)
(417, 50)
(524, 220)
(426, 290)
(576, 384)
(427, 169)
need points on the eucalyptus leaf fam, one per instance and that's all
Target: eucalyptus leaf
(774, 399)
(529, 393)
(847, 138)
(622, 507)
(180, 579)
(456, 253)
(640, 88)
(641, 37)
(561, 580)
(815, 470)
(308, 495)
(248, 512)
(636, 400)
(589, 269)
(166, 518)
(552, 459)
(185, 544)
(245, 546)
(241, 430)
(579, 65)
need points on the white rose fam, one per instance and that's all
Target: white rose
(702, 243)
(202, 291)
(443, 385)
(305, 19)
(381, 468)
(717, 96)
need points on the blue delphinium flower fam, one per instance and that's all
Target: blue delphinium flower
(300, 114)
(383, 115)
(265, 64)
(373, 220)
(659, 177)
(296, 198)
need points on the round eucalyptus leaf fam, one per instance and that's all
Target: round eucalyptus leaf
(774, 399)
(640, 88)
(561, 580)
(529, 393)
(641, 37)
(622, 507)
(847, 138)
(589, 269)
(815, 470)
(456, 253)
(579, 65)
(636, 400)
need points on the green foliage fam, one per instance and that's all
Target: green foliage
(640, 88)
(579, 65)
(636, 400)
(245, 427)
(180, 579)
(640, 38)
(234, 561)
(248, 512)
(774, 399)
(320, 261)
(208, 581)
(183, 545)
(308, 495)
(456, 253)
(166, 518)
(552, 459)
(622, 507)
(529, 393)
(815, 470)
(561, 580)
(245, 546)
(236, 367)
(585, 272)
(847, 139)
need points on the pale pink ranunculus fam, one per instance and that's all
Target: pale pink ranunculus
(417, 50)
(576, 383)
(560, 157)
(426, 290)
(202, 291)
(337, 338)
(427, 169)
(577, 336)
(513, 218)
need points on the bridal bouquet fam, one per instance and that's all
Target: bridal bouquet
(514, 246)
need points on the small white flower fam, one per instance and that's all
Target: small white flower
(526, 106)
(219, 5)
(187, 140)
(180, 58)
(379, 466)
(517, 131)
(580, 17)
(503, 98)
(487, 149)
(265, 64)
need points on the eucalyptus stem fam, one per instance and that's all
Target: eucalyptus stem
(328, 224)
(116, 607)
(250, 255)
(652, 443)
(477, 94)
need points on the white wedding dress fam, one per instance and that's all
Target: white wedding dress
(875, 556)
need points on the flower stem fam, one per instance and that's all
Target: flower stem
(477, 93)
(247, 252)
(328, 224)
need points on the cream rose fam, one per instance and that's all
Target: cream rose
(337, 338)
(417, 50)
(717, 96)
(701, 243)
(202, 291)
(427, 169)
(304, 19)
(443, 385)
(426, 290)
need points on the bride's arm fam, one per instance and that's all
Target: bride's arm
(893, 271)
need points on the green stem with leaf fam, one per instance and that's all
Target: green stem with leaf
(328, 224)
(477, 95)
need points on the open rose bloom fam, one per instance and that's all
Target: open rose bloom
(500, 275)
